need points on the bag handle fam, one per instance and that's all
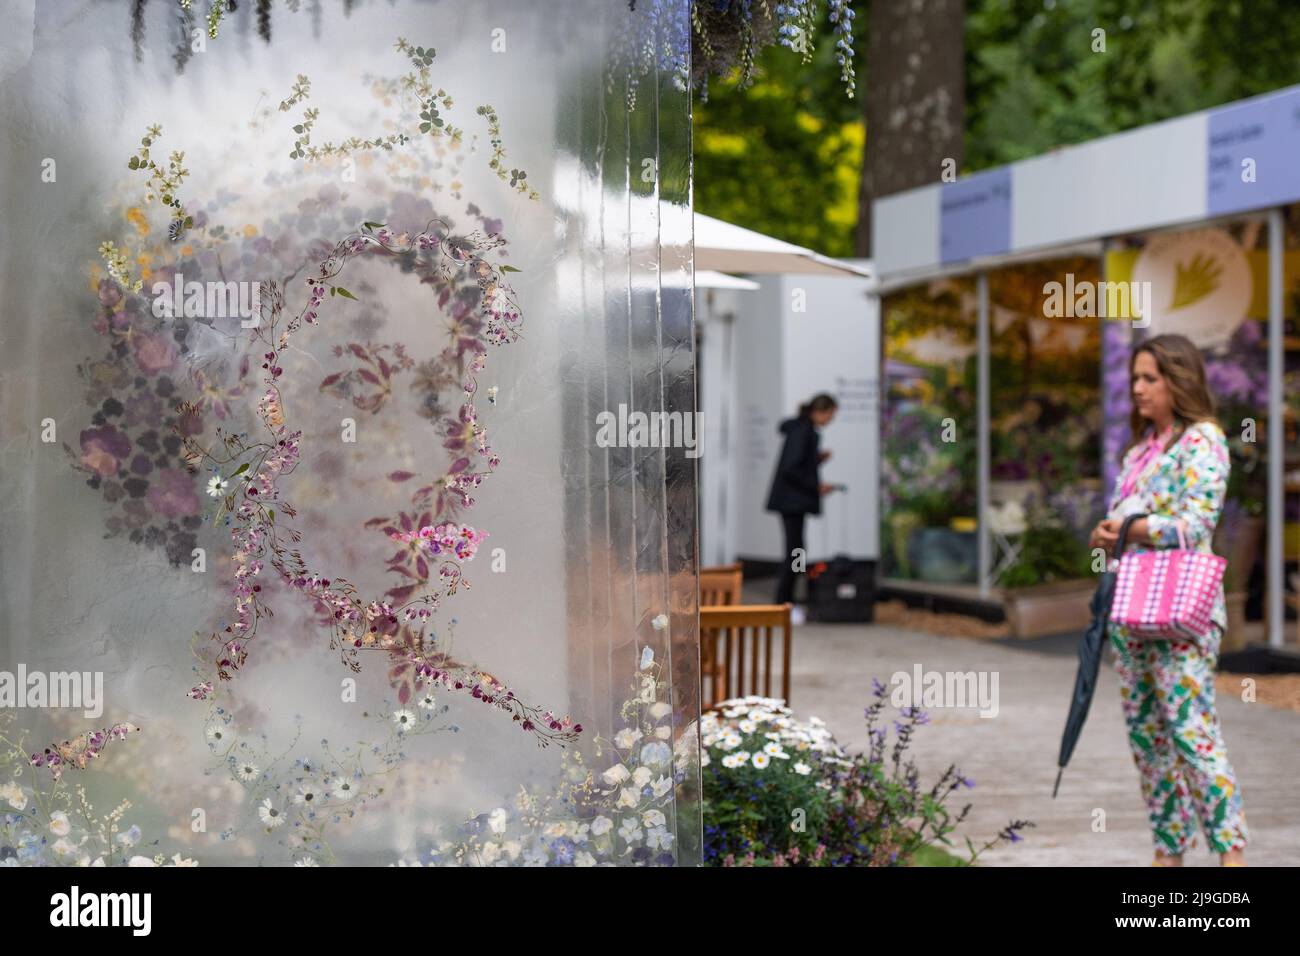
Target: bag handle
(1123, 534)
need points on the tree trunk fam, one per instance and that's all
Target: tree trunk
(915, 101)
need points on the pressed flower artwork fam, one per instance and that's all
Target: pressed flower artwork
(300, 466)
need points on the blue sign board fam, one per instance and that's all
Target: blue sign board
(1254, 154)
(975, 216)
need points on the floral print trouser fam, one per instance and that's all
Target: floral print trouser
(1167, 689)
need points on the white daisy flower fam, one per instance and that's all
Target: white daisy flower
(306, 861)
(802, 769)
(344, 789)
(428, 702)
(269, 815)
(761, 760)
(219, 734)
(246, 771)
(307, 795)
(404, 719)
(217, 486)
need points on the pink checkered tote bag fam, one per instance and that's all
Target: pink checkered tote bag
(1168, 593)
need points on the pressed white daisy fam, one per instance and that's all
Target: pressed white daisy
(269, 815)
(219, 734)
(761, 760)
(308, 795)
(344, 789)
(404, 719)
(246, 771)
(306, 861)
(217, 486)
(427, 702)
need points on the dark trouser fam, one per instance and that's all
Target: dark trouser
(793, 525)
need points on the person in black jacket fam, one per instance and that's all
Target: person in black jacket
(796, 488)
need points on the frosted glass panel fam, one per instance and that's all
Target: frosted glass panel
(314, 549)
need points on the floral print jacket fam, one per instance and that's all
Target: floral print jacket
(1184, 485)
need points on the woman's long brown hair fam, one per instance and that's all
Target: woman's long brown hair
(1180, 364)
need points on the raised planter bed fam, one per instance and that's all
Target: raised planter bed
(1044, 609)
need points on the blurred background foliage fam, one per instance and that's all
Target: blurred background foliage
(786, 155)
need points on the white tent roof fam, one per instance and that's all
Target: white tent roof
(708, 279)
(724, 247)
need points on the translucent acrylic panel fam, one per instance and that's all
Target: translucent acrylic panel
(314, 315)
(928, 433)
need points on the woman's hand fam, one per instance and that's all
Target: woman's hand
(824, 489)
(1105, 535)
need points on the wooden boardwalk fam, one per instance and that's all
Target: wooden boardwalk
(1012, 756)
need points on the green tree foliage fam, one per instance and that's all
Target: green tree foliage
(783, 156)
(1036, 77)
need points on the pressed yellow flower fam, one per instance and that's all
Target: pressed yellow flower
(135, 216)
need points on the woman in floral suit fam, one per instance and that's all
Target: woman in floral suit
(1175, 471)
